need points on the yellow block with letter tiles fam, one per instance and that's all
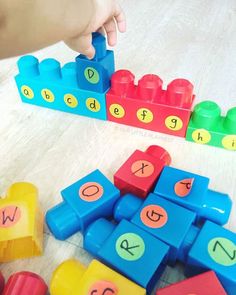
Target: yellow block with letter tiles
(73, 278)
(21, 223)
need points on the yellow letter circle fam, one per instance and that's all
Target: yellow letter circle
(145, 115)
(27, 92)
(229, 142)
(201, 136)
(70, 100)
(93, 105)
(173, 123)
(47, 95)
(117, 110)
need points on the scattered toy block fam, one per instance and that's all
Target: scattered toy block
(71, 277)
(25, 283)
(128, 249)
(203, 284)
(208, 126)
(95, 74)
(48, 85)
(86, 200)
(2, 282)
(140, 172)
(21, 223)
(147, 105)
(191, 191)
(212, 248)
(161, 218)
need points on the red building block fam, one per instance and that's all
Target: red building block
(25, 283)
(147, 105)
(1, 282)
(203, 284)
(140, 172)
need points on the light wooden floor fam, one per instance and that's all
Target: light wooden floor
(194, 39)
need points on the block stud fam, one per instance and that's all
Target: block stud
(206, 114)
(150, 88)
(122, 83)
(230, 120)
(179, 93)
(28, 66)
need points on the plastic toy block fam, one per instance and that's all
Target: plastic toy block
(159, 217)
(147, 105)
(191, 191)
(21, 223)
(140, 172)
(208, 126)
(213, 248)
(95, 74)
(91, 197)
(128, 249)
(203, 284)
(2, 282)
(25, 283)
(71, 277)
(48, 85)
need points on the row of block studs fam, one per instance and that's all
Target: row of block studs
(21, 223)
(24, 283)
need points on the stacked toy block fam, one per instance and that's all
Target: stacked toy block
(161, 215)
(208, 126)
(147, 105)
(79, 87)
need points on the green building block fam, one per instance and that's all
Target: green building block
(207, 126)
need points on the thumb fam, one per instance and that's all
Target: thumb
(82, 44)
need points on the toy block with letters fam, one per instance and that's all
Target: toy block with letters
(147, 105)
(127, 249)
(95, 74)
(21, 223)
(191, 191)
(89, 198)
(48, 85)
(213, 248)
(208, 126)
(140, 172)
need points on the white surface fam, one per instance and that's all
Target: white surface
(191, 39)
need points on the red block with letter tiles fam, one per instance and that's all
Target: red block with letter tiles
(147, 105)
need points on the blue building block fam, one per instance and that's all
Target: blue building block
(86, 200)
(214, 248)
(191, 191)
(95, 74)
(48, 85)
(127, 249)
(159, 217)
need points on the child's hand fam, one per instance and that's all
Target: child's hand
(106, 16)
(28, 25)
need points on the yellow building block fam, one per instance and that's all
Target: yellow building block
(21, 223)
(72, 278)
